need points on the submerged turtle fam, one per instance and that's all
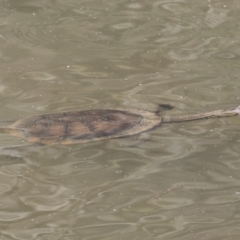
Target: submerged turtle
(98, 124)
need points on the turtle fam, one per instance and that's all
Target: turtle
(97, 124)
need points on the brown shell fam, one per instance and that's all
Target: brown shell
(83, 126)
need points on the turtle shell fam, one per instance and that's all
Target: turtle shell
(83, 126)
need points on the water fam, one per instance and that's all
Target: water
(65, 55)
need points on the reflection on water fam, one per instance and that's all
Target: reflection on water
(64, 55)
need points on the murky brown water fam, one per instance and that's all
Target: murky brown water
(77, 54)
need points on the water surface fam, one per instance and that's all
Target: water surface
(62, 55)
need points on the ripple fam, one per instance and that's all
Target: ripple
(15, 170)
(2, 88)
(14, 216)
(120, 26)
(135, 6)
(224, 55)
(38, 76)
(30, 36)
(215, 16)
(33, 30)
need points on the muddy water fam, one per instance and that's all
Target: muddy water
(59, 55)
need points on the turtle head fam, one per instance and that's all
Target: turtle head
(163, 107)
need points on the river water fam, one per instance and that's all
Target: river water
(62, 55)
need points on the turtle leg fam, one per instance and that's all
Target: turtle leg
(15, 151)
(10, 152)
(142, 138)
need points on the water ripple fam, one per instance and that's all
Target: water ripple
(61, 55)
